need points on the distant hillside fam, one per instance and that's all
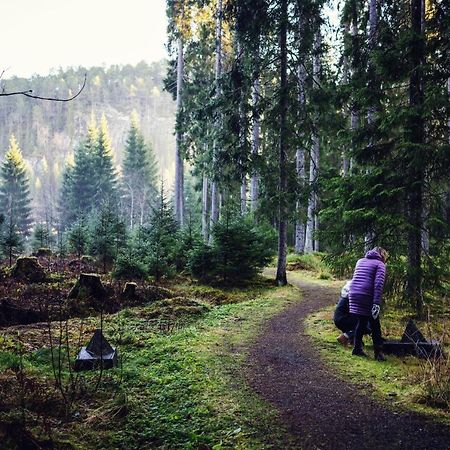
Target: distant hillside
(47, 132)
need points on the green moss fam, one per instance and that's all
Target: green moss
(179, 389)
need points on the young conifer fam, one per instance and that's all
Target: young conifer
(15, 190)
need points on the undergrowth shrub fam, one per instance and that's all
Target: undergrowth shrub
(239, 250)
(128, 267)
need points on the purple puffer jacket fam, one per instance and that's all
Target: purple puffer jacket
(367, 284)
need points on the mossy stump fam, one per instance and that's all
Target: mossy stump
(28, 268)
(129, 293)
(88, 292)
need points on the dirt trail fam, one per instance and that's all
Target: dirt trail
(321, 411)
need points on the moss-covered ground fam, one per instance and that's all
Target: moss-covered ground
(178, 386)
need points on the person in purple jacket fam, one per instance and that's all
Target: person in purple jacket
(365, 294)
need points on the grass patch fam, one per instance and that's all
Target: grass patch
(398, 381)
(179, 389)
(311, 263)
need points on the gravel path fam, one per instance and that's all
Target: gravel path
(319, 410)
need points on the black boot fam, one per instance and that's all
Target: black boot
(358, 349)
(378, 352)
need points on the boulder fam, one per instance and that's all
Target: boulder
(28, 268)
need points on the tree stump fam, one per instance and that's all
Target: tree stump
(28, 268)
(129, 293)
(88, 292)
(88, 284)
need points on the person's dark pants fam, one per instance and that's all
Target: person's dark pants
(347, 324)
(361, 328)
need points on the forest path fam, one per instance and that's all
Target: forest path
(318, 409)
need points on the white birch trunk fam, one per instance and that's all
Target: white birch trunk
(218, 72)
(179, 169)
(255, 146)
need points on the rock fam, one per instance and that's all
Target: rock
(28, 268)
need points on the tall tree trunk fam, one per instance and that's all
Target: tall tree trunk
(218, 72)
(447, 200)
(345, 80)
(312, 221)
(244, 195)
(205, 208)
(425, 196)
(179, 169)
(372, 85)
(254, 192)
(354, 116)
(282, 249)
(300, 228)
(415, 135)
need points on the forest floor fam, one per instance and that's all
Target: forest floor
(321, 409)
(206, 368)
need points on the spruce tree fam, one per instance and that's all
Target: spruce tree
(107, 235)
(80, 180)
(139, 176)
(78, 237)
(15, 190)
(161, 237)
(105, 172)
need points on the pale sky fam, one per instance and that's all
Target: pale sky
(38, 35)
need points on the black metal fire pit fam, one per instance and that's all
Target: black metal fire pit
(413, 343)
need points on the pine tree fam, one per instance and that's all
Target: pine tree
(139, 176)
(15, 190)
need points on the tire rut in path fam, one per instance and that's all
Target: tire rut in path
(318, 409)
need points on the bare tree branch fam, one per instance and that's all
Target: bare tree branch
(29, 93)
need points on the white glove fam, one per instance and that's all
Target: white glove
(375, 311)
